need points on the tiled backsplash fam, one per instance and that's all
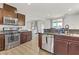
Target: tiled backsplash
(52, 30)
(76, 31)
(21, 27)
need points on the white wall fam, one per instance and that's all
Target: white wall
(36, 11)
(47, 24)
(72, 21)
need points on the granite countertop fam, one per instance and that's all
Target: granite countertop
(2, 32)
(72, 35)
(23, 31)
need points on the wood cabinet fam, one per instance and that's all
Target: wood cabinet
(40, 40)
(66, 45)
(9, 8)
(74, 48)
(61, 47)
(25, 36)
(9, 11)
(2, 42)
(29, 36)
(1, 20)
(21, 19)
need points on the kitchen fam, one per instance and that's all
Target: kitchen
(10, 23)
(60, 33)
(51, 30)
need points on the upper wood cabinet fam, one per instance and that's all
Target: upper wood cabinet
(1, 20)
(9, 8)
(21, 19)
(9, 11)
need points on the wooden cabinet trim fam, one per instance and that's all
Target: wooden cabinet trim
(9, 8)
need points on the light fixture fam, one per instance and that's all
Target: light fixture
(28, 3)
(69, 9)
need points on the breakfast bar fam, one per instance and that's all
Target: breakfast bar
(64, 44)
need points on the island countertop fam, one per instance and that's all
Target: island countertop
(70, 34)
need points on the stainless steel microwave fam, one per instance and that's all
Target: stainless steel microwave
(10, 21)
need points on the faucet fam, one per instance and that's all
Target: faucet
(67, 29)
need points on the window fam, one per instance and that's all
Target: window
(58, 23)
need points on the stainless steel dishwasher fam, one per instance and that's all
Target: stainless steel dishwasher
(48, 43)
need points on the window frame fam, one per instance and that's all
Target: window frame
(56, 21)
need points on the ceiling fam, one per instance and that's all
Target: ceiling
(45, 10)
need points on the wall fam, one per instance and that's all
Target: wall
(46, 24)
(31, 18)
(32, 14)
(72, 21)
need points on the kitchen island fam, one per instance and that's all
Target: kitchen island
(64, 44)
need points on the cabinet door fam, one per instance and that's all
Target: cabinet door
(61, 47)
(9, 8)
(1, 20)
(74, 48)
(23, 37)
(40, 40)
(2, 38)
(21, 19)
(9, 13)
(29, 36)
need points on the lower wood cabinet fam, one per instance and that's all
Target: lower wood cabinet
(66, 46)
(74, 48)
(25, 37)
(61, 47)
(2, 42)
(40, 40)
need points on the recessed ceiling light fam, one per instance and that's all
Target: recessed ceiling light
(69, 9)
(28, 3)
(48, 15)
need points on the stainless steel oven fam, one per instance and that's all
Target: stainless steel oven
(12, 37)
(10, 21)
